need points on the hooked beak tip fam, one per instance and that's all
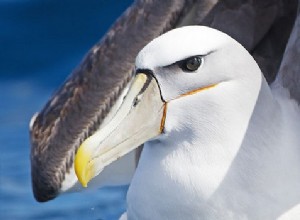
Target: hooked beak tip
(84, 166)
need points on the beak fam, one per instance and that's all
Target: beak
(140, 117)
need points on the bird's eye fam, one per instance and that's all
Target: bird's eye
(192, 63)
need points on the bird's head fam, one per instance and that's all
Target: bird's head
(184, 64)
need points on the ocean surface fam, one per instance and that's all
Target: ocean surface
(41, 42)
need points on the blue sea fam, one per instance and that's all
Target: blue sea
(41, 42)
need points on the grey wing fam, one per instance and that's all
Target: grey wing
(289, 72)
(78, 108)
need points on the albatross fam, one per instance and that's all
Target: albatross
(91, 96)
(97, 86)
(219, 142)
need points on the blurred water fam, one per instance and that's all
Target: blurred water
(40, 43)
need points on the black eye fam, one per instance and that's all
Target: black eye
(191, 64)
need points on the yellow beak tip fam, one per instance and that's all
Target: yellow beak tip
(83, 167)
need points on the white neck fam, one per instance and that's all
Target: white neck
(213, 163)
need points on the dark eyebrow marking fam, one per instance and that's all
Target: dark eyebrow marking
(179, 62)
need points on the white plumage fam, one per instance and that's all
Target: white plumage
(231, 151)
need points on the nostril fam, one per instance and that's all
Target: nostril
(136, 100)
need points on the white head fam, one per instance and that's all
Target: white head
(222, 60)
(194, 86)
(210, 85)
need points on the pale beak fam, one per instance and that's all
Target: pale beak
(140, 118)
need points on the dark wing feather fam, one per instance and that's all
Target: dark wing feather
(289, 72)
(262, 27)
(79, 106)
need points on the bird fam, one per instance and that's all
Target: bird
(97, 86)
(220, 143)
